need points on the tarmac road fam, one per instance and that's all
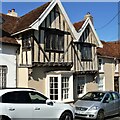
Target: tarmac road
(109, 118)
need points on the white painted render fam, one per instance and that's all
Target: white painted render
(8, 58)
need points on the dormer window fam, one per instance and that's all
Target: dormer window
(54, 41)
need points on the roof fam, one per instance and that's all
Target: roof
(8, 40)
(78, 25)
(14, 24)
(9, 23)
(110, 49)
(29, 18)
(6, 29)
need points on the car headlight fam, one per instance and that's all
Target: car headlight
(94, 108)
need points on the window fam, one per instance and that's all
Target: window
(115, 96)
(80, 85)
(54, 88)
(86, 51)
(54, 42)
(100, 82)
(3, 76)
(116, 65)
(65, 87)
(60, 87)
(37, 98)
(16, 97)
(100, 64)
(26, 41)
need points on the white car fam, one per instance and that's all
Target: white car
(22, 104)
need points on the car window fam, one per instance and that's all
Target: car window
(37, 97)
(108, 98)
(93, 96)
(115, 96)
(16, 97)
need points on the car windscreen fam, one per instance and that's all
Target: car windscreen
(93, 96)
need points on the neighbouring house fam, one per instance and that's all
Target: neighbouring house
(109, 66)
(8, 49)
(56, 57)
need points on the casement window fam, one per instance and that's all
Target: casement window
(100, 64)
(26, 41)
(60, 88)
(86, 51)
(116, 65)
(65, 88)
(100, 83)
(54, 42)
(54, 88)
(3, 76)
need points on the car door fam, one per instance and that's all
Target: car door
(16, 105)
(116, 102)
(108, 104)
(41, 110)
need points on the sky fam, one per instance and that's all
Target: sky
(105, 14)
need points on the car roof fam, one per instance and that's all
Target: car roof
(5, 90)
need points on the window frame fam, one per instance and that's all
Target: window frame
(3, 76)
(56, 41)
(86, 51)
(26, 41)
(100, 65)
(70, 91)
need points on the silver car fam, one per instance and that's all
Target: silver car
(98, 105)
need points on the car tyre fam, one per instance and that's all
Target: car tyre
(4, 118)
(66, 116)
(100, 115)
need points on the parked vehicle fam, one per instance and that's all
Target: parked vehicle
(98, 105)
(30, 104)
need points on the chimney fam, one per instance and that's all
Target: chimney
(12, 13)
(88, 15)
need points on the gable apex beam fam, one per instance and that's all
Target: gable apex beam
(74, 32)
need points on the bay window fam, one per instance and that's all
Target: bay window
(54, 41)
(60, 87)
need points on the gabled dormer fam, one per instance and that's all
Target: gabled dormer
(86, 45)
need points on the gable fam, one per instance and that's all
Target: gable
(37, 23)
(81, 27)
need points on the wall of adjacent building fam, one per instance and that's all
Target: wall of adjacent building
(8, 58)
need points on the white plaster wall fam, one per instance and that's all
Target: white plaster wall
(8, 58)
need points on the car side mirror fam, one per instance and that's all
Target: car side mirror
(49, 102)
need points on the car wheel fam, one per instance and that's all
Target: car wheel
(66, 116)
(100, 115)
(4, 118)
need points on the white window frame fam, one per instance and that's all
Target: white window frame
(3, 76)
(116, 65)
(103, 83)
(70, 93)
(101, 65)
